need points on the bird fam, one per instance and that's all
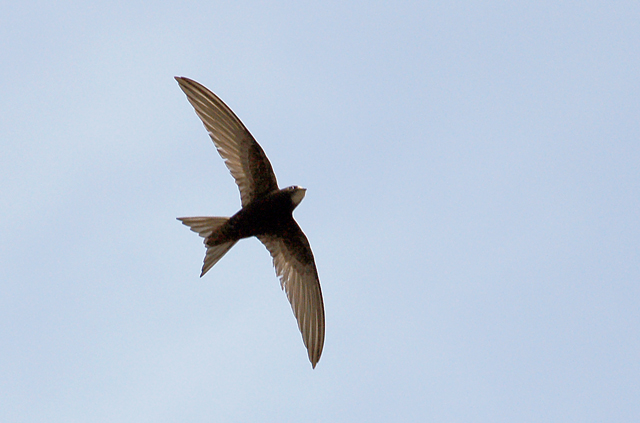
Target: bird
(266, 213)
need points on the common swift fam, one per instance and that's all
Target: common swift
(266, 213)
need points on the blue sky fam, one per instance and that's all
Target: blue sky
(473, 206)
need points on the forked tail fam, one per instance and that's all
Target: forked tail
(205, 226)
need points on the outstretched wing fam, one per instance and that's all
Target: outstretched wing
(243, 156)
(293, 260)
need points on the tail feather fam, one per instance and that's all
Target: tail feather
(205, 226)
(214, 254)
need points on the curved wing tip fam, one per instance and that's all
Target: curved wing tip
(314, 361)
(182, 80)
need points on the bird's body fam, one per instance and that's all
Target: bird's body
(266, 213)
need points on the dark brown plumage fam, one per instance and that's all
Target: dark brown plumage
(266, 213)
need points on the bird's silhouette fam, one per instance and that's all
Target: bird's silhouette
(266, 213)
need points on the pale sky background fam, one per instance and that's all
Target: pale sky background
(473, 205)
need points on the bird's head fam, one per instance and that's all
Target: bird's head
(296, 193)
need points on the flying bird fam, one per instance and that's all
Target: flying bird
(266, 213)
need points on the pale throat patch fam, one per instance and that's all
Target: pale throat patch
(298, 195)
